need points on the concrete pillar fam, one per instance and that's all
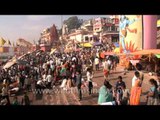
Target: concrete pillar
(150, 31)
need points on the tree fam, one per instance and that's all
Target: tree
(73, 23)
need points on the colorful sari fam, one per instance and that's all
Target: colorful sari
(135, 93)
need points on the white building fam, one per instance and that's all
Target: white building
(78, 35)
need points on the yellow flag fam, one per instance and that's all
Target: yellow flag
(2, 41)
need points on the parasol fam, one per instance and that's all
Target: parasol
(86, 44)
(97, 43)
(116, 44)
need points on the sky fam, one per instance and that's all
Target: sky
(29, 27)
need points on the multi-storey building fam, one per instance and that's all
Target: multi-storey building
(107, 28)
(49, 35)
(87, 25)
(49, 38)
(77, 36)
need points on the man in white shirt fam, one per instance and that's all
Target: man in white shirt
(49, 80)
(136, 76)
(97, 63)
(89, 79)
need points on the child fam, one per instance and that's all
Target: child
(125, 96)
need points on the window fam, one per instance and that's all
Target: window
(113, 28)
(117, 28)
(86, 38)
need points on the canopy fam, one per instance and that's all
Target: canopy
(116, 44)
(86, 44)
(143, 52)
(157, 55)
(22, 56)
(117, 50)
(13, 59)
(9, 64)
(97, 43)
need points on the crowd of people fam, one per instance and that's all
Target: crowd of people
(41, 70)
(120, 95)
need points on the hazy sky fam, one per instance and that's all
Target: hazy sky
(29, 27)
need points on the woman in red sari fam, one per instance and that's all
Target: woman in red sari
(136, 91)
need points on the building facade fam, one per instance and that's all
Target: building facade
(87, 25)
(107, 28)
(77, 36)
(49, 36)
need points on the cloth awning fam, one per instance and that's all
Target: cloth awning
(9, 64)
(157, 55)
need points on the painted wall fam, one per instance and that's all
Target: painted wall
(130, 33)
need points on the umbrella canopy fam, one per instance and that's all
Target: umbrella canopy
(157, 55)
(22, 56)
(116, 44)
(117, 50)
(97, 43)
(86, 44)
